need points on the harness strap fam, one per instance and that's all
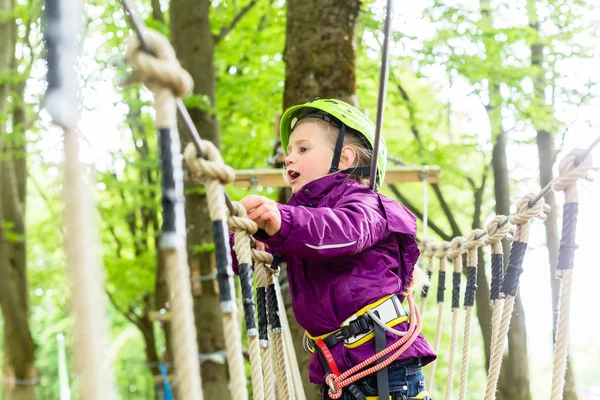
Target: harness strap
(330, 367)
(383, 386)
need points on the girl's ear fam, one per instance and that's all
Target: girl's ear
(347, 158)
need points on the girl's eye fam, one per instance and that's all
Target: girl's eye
(303, 149)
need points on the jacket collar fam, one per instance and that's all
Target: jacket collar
(315, 191)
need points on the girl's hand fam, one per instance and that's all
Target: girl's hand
(264, 212)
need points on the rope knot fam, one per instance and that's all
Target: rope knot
(569, 173)
(456, 248)
(442, 250)
(241, 221)
(161, 69)
(212, 167)
(472, 241)
(524, 213)
(261, 256)
(495, 233)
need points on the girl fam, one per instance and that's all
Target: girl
(348, 249)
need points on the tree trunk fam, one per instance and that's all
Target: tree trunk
(547, 153)
(18, 343)
(320, 57)
(194, 45)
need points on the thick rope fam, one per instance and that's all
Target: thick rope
(290, 351)
(243, 228)
(427, 252)
(164, 76)
(569, 174)
(442, 254)
(85, 272)
(281, 364)
(521, 219)
(217, 174)
(260, 259)
(494, 240)
(455, 253)
(471, 246)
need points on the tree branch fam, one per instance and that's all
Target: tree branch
(449, 216)
(226, 29)
(411, 207)
(411, 112)
(130, 316)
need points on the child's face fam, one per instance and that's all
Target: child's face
(309, 155)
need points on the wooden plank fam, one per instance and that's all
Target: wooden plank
(272, 177)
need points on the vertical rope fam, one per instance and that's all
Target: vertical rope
(62, 27)
(471, 246)
(261, 258)
(427, 255)
(167, 81)
(290, 350)
(243, 228)
(511, 281)
(569, 174)
(282, 367)
(455, 253)
(217, 174)
(494, 237)
(441, 253)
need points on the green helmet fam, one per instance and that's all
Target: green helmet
(348, 116)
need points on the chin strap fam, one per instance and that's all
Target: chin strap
(337, 153)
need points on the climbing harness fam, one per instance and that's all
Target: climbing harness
(359, 328)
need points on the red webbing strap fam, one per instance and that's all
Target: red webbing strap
(327, 357)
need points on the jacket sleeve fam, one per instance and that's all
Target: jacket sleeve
(356, 223)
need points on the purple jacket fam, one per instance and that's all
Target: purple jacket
(346, 246)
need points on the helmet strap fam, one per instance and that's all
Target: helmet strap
(362, 171)
(337, 152)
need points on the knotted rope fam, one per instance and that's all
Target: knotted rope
(569, 174)
(427, 251)
(495, 234)
(166, 79)
(472, 245)
(442, 254)
(282, 367)
(455, 253)
(511, 281)
(243, 228)
(261, 259)
(217, 174)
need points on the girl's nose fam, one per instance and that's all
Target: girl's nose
(288, 159)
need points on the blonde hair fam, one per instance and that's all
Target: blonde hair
(352, 139)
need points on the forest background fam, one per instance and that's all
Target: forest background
(491, 91)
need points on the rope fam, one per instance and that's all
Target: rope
(290, 350)
(569, 174)
(495, 234)
(511, 280)
(441, 253)
(281, 364)
(217, 174)
(61, 33)
(243, 228)
(455, 253)
(165, 77)
(260, 259)
(471, 246)
(427, 252)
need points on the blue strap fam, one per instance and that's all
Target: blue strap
(165, 375)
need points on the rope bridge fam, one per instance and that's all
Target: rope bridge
(274, 370)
